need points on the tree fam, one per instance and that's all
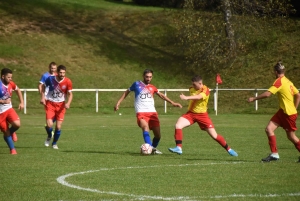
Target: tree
(216, 37)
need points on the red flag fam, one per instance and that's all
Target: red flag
(218, 79)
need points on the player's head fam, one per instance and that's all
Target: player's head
(147, 76)
(279, 69)
(197, 82)
(6, 75)
(61, 72)
(52, 68)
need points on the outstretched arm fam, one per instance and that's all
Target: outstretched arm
(162, 96)
(266, 94)
(20, 96)
(124, 95)
(194, 97)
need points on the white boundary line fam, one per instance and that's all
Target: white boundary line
(62, 180)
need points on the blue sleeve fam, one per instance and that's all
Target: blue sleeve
(133, 86)
(43, 78)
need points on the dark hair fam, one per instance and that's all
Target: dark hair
(6, 71)
(146, 71)
(196, 78)
(61, 67)
(279, 67)
(52, 64)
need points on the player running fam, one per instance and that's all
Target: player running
(147, 117)
(197, 113)
(60, 89)
(289, 98)
(7, 114)
(51, 72)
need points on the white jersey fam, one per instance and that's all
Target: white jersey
(144, 101)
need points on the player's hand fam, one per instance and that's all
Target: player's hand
(177, 105)
(183, 97)
(67, 105)
(251, 99)
(116, 108)
(42, 101)
(21, 106)
(6, 101)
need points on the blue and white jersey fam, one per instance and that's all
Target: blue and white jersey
(43, 79)
(144, 101)
(6, 93)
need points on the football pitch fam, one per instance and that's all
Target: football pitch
(98, 159)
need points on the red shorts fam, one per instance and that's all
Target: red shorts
(55, 110)
(150, 117)
(6, 117)
(287, 122)
(202, 119)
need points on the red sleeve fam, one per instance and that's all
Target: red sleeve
(70, 87)
(13, 85)
(277, 83)
(206, 90)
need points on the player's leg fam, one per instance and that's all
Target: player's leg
(290, 128)
(143, 124)
(181, 123)
(50, 114)
(154, 125)
(220, 139)
(60, 111)
(270, 131)
(57, 134)
(6, 133)
(14, 120)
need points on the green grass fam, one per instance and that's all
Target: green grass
(102, 153)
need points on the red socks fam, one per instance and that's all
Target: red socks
(297, 145)
(178, 137)
(272, 143)
(220, 139)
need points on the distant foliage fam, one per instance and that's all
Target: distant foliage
(217, 38)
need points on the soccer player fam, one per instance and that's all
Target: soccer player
(56, 101)
(197, 113)
(147, 117)
(51, 72)
(286, 116)
(7, 114)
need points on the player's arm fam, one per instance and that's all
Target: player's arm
(194, 97)
(42, 100)
(266, 94)
(162, 96)
(6, 101)
(70, 98)
(124, 95)
(297, 100)
(40, 87)
(20, 96)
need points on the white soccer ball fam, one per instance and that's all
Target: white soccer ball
(146, 149)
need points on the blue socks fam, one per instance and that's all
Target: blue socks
(56, 136)
(49, 131)
(9, 142)
(147, 138)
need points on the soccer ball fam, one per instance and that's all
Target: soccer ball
(146, 149)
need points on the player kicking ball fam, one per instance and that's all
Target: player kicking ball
(197, 113)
